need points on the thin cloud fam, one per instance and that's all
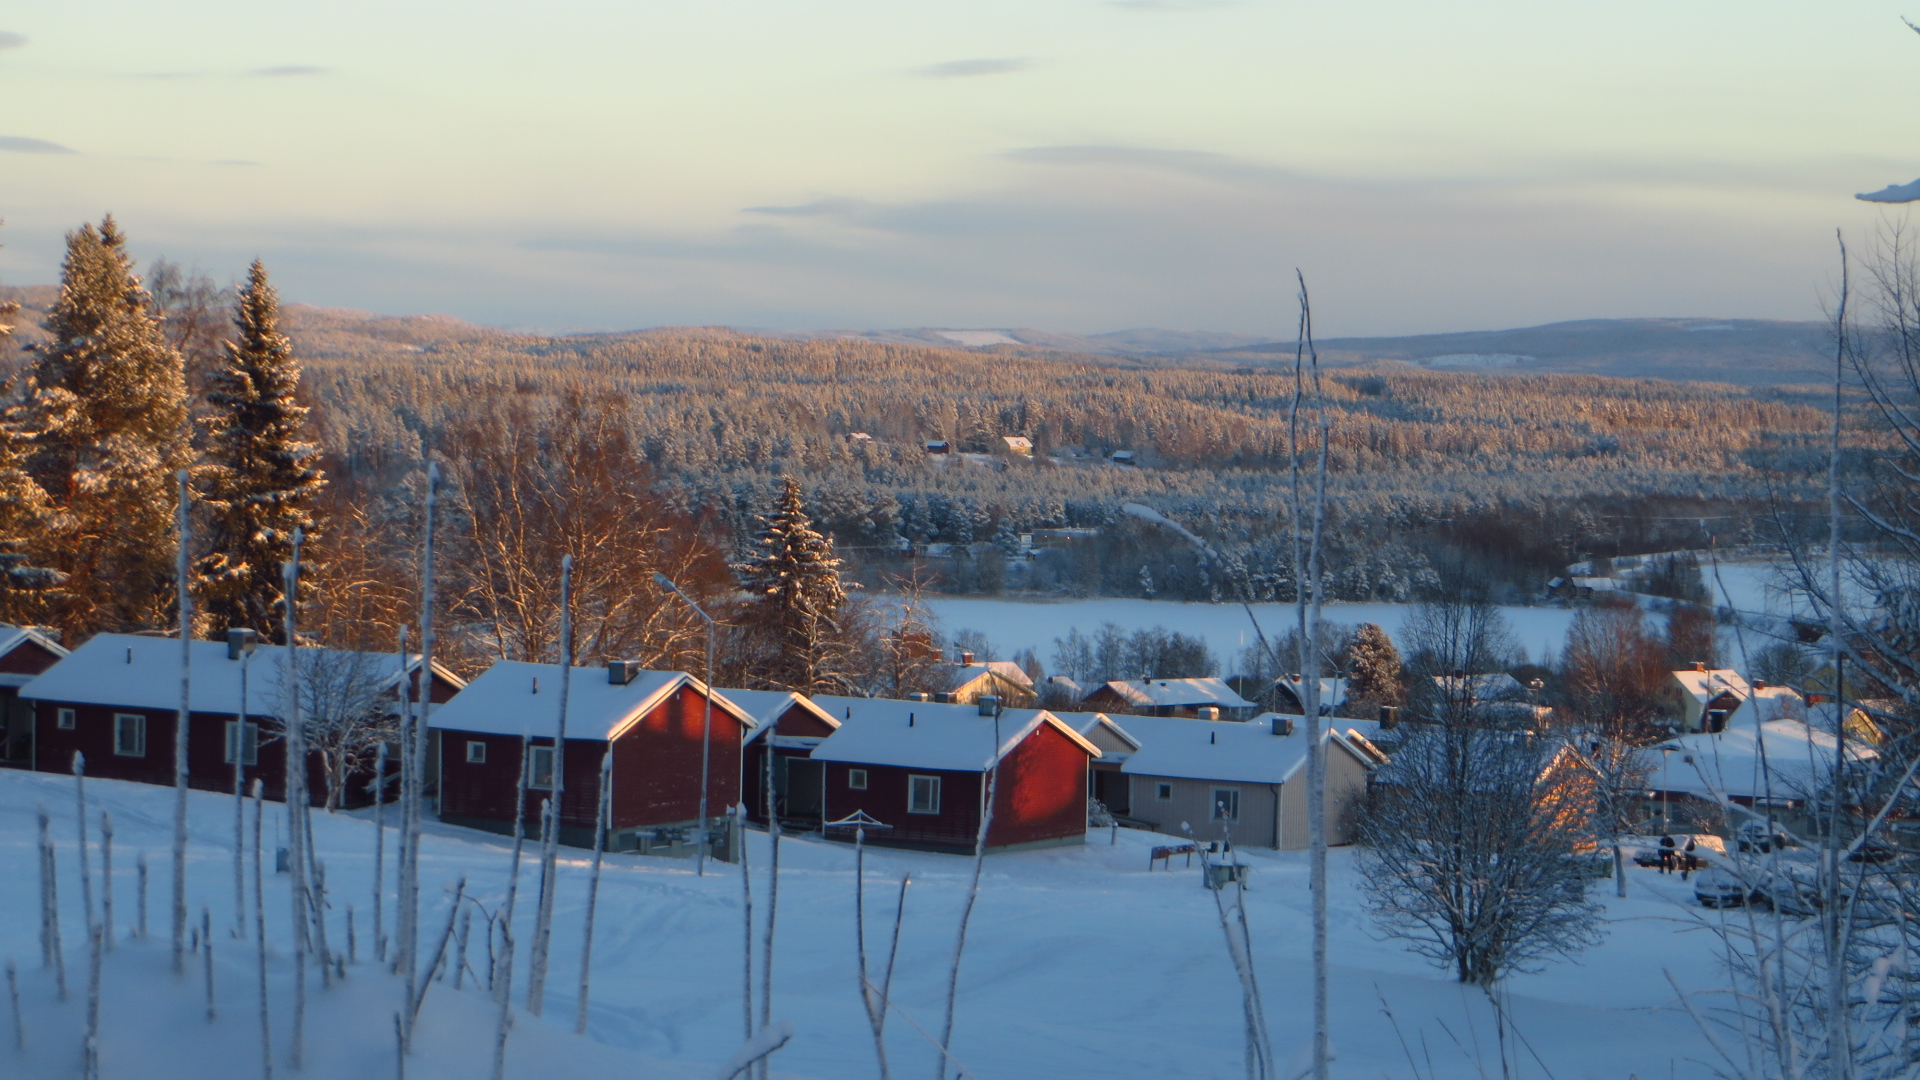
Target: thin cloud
(11, 40)
(817, 208)
(1173, 5)
(962, 69)
(20, 144)
(285, 70)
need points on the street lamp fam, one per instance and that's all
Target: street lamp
(1666, 799)
(706, 724)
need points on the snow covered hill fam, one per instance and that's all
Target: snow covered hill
(1080, 963)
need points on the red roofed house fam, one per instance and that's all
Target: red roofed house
(790, 726)
(923, 769)
(651, 722)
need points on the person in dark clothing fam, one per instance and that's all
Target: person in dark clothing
(1687, 860)
(1666, 854)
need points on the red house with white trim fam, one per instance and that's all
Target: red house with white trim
(923, 769)
(650, 721)
(790, 727)
(116, 699)
(24, 653)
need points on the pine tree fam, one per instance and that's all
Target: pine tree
(107, 411)
(796, 617)
(258, 481)
(1374, 678)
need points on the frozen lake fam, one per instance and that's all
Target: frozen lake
(1012, 625)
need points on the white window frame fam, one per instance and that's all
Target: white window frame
(249, 743)
(1234, 812)
(856, 779)
(64, 719)
(139, 724)
(476, 752)
(917, 783)
(1163, 791)
(534, 756)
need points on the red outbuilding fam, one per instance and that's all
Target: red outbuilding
(790, 727)
(923, 769)
(24, 653)
(652, 722)
(116, 699)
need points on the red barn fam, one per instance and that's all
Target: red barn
(923, 769)
(116, 699)
(24, 653)
(650, 721)
(790, 726)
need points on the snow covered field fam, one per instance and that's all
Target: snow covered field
(1013, 625)
(1081, 963)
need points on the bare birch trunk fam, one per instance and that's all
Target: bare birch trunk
(1839, 1039)
(418, 750)
(240, 808)
(140, 873)
(746, 914)
(503, 966)
(550, 843)
(106, 877)
(93, 1003)
(380, 834)
(180, 727)
(80, 815)
(593, 886)
(773, 906)
(403, 868)
(206, 956)
(260, 929)
(296, 793)
(53, 952)
(966, 911)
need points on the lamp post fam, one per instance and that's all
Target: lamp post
(1666, 800)
(706, 724)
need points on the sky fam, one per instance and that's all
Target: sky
(1070, 165)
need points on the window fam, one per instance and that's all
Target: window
(1226, 804)
(857, 779)
(63, 719)
(243, 747)
(541, 768)
(476, 753)
(923, 794)
(1163, 792)
(129, 735)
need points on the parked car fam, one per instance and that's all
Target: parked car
(1717, 887)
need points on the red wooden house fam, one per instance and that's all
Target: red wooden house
(923, 768)
(650, 721)
(790, 727)
(24, 653)
(116, 699)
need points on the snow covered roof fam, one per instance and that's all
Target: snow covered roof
(517, 698)
(1175, 693)
(1238, 752)
(1491, 686)
(928, 735)
(1332, 691)
(1796, 759)
(768, 706)
(1711, 683)
(1092, 724)
(955, 676)
(137, 671)
(1769, 703)
(12, 637)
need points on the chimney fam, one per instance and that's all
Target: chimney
(1210, 712)
(1699, 665)
(621, 672)
(1389, 717)
(966, 659)
(1283, 725)
(989, 704)
(1759, 685)
(240, 642)
(917, 695)
(1295, 676)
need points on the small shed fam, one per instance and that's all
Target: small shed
(652, 722)
(938, 446)
(789, 726)
(924, 769)
(1244, 781)
(1170, 697)
(116, 699)
(24, 652)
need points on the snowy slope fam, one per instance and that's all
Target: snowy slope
(1081, 963)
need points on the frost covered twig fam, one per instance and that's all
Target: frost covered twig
(593, 888)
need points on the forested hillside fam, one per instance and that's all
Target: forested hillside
(1512, 473)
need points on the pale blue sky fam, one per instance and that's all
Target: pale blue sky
(1068, 164)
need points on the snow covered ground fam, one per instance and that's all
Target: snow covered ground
(1081, 963)
(1013, 625)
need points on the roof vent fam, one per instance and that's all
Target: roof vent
(943, 698)
(966, 659)
(1389, 717)
(1210, 712)
(241, 642)
(917, 695)
(622, 672)
(989, 704)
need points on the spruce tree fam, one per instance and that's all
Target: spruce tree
(796, 615)
(107, 411)
(258, 480)
(27, 518)
(1374, 678)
